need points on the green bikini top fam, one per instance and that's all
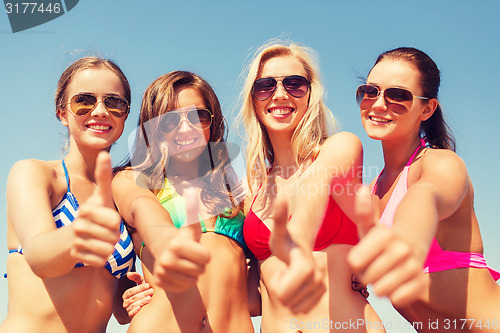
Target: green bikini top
(176, 207)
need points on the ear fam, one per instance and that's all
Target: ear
(429, 109)
(62, 114)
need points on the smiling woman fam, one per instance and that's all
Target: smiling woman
(61, 251)
(292, 162)
(181, 195)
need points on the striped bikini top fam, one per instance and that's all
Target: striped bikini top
(121, 261)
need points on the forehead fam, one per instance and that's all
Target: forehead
(189, 98)
(98, 80)
(282, 66)
(395, 73)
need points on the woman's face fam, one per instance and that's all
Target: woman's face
(384, 120)
(281, 112)
(98, 129)
(186, 141)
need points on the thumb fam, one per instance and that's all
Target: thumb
(103, 175)
(192, 225)
(364, 210)
(135, 277)
(280, 241)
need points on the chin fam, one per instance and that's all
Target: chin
(188, 155)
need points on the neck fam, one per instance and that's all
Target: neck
(284, 160)
(179, 171)
(82, 161)
(398, 152)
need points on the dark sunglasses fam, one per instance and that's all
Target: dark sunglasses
(82, 104)
(199, 118)
(400, 96)
(295, 85)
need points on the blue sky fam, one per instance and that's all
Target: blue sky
(215, 38)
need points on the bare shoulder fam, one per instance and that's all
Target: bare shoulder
(344, 144)
(443, 162)
(33, 171)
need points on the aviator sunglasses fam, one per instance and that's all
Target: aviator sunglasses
(199, 118)
(398, 96)
(82, 104)
(295, 85)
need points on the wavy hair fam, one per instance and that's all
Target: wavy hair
(312, 129)
(150, 152)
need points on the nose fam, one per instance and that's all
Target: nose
(184, 124)
(100, 110)
(280, 92)
(380, 103)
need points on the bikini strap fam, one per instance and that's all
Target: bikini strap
(422, 144)
(66, 174)
(255, 197)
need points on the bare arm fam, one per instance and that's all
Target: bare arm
(392, 259)
(179, 258)
(54, 252)
(253, 288)
(336, 171)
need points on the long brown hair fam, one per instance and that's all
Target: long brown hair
(150, 152)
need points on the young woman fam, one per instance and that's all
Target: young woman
(291, 162)
(199, 281)
(68, 250)
(425, 194)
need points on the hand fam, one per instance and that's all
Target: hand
(136, 297)
(183, 259)
(358, 286)
(97, 227)
(384, 258)
(301, 284)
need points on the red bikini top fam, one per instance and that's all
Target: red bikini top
(336, 228)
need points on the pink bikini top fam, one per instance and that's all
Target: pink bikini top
(437, 259)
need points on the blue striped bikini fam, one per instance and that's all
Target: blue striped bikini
(123, 258)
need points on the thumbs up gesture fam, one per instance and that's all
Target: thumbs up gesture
(183, 258)
(299, 283)
(97, 227)
(383, 258)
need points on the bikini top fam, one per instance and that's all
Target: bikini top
(122, 259)
(336, 228)
(175, 204)
(437, 258)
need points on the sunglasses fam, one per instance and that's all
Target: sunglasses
(199, 118)
(295, 85)
(396, 96)
(82, 104)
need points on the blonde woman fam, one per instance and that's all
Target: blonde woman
(292, 162)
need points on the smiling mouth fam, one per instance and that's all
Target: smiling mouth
(185, 142)
(379, 120)
(281, 111)
(99, 127)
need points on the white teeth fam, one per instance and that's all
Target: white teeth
(382, 120)
(99, 127)
(185, 142)
(282, 111)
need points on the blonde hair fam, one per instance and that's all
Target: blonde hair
(312, 129)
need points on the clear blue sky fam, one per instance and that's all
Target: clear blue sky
(214, 39)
